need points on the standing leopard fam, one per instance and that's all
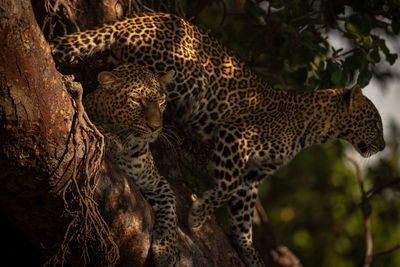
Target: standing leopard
(253, 128)
(127, 108)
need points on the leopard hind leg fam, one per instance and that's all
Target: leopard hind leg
(241, 211)
(227, 169)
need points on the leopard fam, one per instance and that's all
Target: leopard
(252, 128)
(127, 109)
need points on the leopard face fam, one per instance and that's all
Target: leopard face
(364, 125)
(130, 100)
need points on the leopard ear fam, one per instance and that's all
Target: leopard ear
(166, 78)
(354, 97)
(106, 78)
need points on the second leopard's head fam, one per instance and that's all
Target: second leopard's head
(130, 100)
(361, 125)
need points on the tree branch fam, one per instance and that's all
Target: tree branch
(386, 251)
(376, 190)
(366, 210)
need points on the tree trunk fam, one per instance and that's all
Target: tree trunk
(55, 187)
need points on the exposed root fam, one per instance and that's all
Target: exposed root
(136, 7)
(53, 9)
(87, 230)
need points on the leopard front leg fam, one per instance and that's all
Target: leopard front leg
(241, 211)
(227, 170)
(157, 191)
(162, 200)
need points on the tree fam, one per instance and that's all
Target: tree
(73, 206)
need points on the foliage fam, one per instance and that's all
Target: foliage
(289, 41)
(314, 202)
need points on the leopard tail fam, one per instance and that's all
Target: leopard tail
(84, 43)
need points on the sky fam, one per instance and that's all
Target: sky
(386, 101)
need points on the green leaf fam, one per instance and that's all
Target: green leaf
(277, 3)
(374, 55)
(390, 57)
(351, 64)
(300, 76)
(338, 77)
(395, 26)
(364, 77)
(367, 41)
(258, 13)
(353, 61)
(359, 25)
(301, 57)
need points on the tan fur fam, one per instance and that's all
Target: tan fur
(254, 128)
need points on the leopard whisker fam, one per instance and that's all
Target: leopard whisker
(170, 131)
(166, 140)
(126, 138)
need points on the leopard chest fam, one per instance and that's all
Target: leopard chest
(135, 160)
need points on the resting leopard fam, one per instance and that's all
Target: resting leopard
(253, 128)
(127, 108)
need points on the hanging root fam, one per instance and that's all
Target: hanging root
(136, 7)
(55, 11)
(87, 231)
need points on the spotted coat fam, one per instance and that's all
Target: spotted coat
(253, 128)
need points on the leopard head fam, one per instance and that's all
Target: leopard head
(130, 101)
(362, 124)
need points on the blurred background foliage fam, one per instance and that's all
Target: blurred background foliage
(313, 203)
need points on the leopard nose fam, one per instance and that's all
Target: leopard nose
(154, 125)
(152, 115)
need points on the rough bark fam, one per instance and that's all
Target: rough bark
(49, 151)
(36, 117)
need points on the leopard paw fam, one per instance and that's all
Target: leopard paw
(196, 216)
(165, 255)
